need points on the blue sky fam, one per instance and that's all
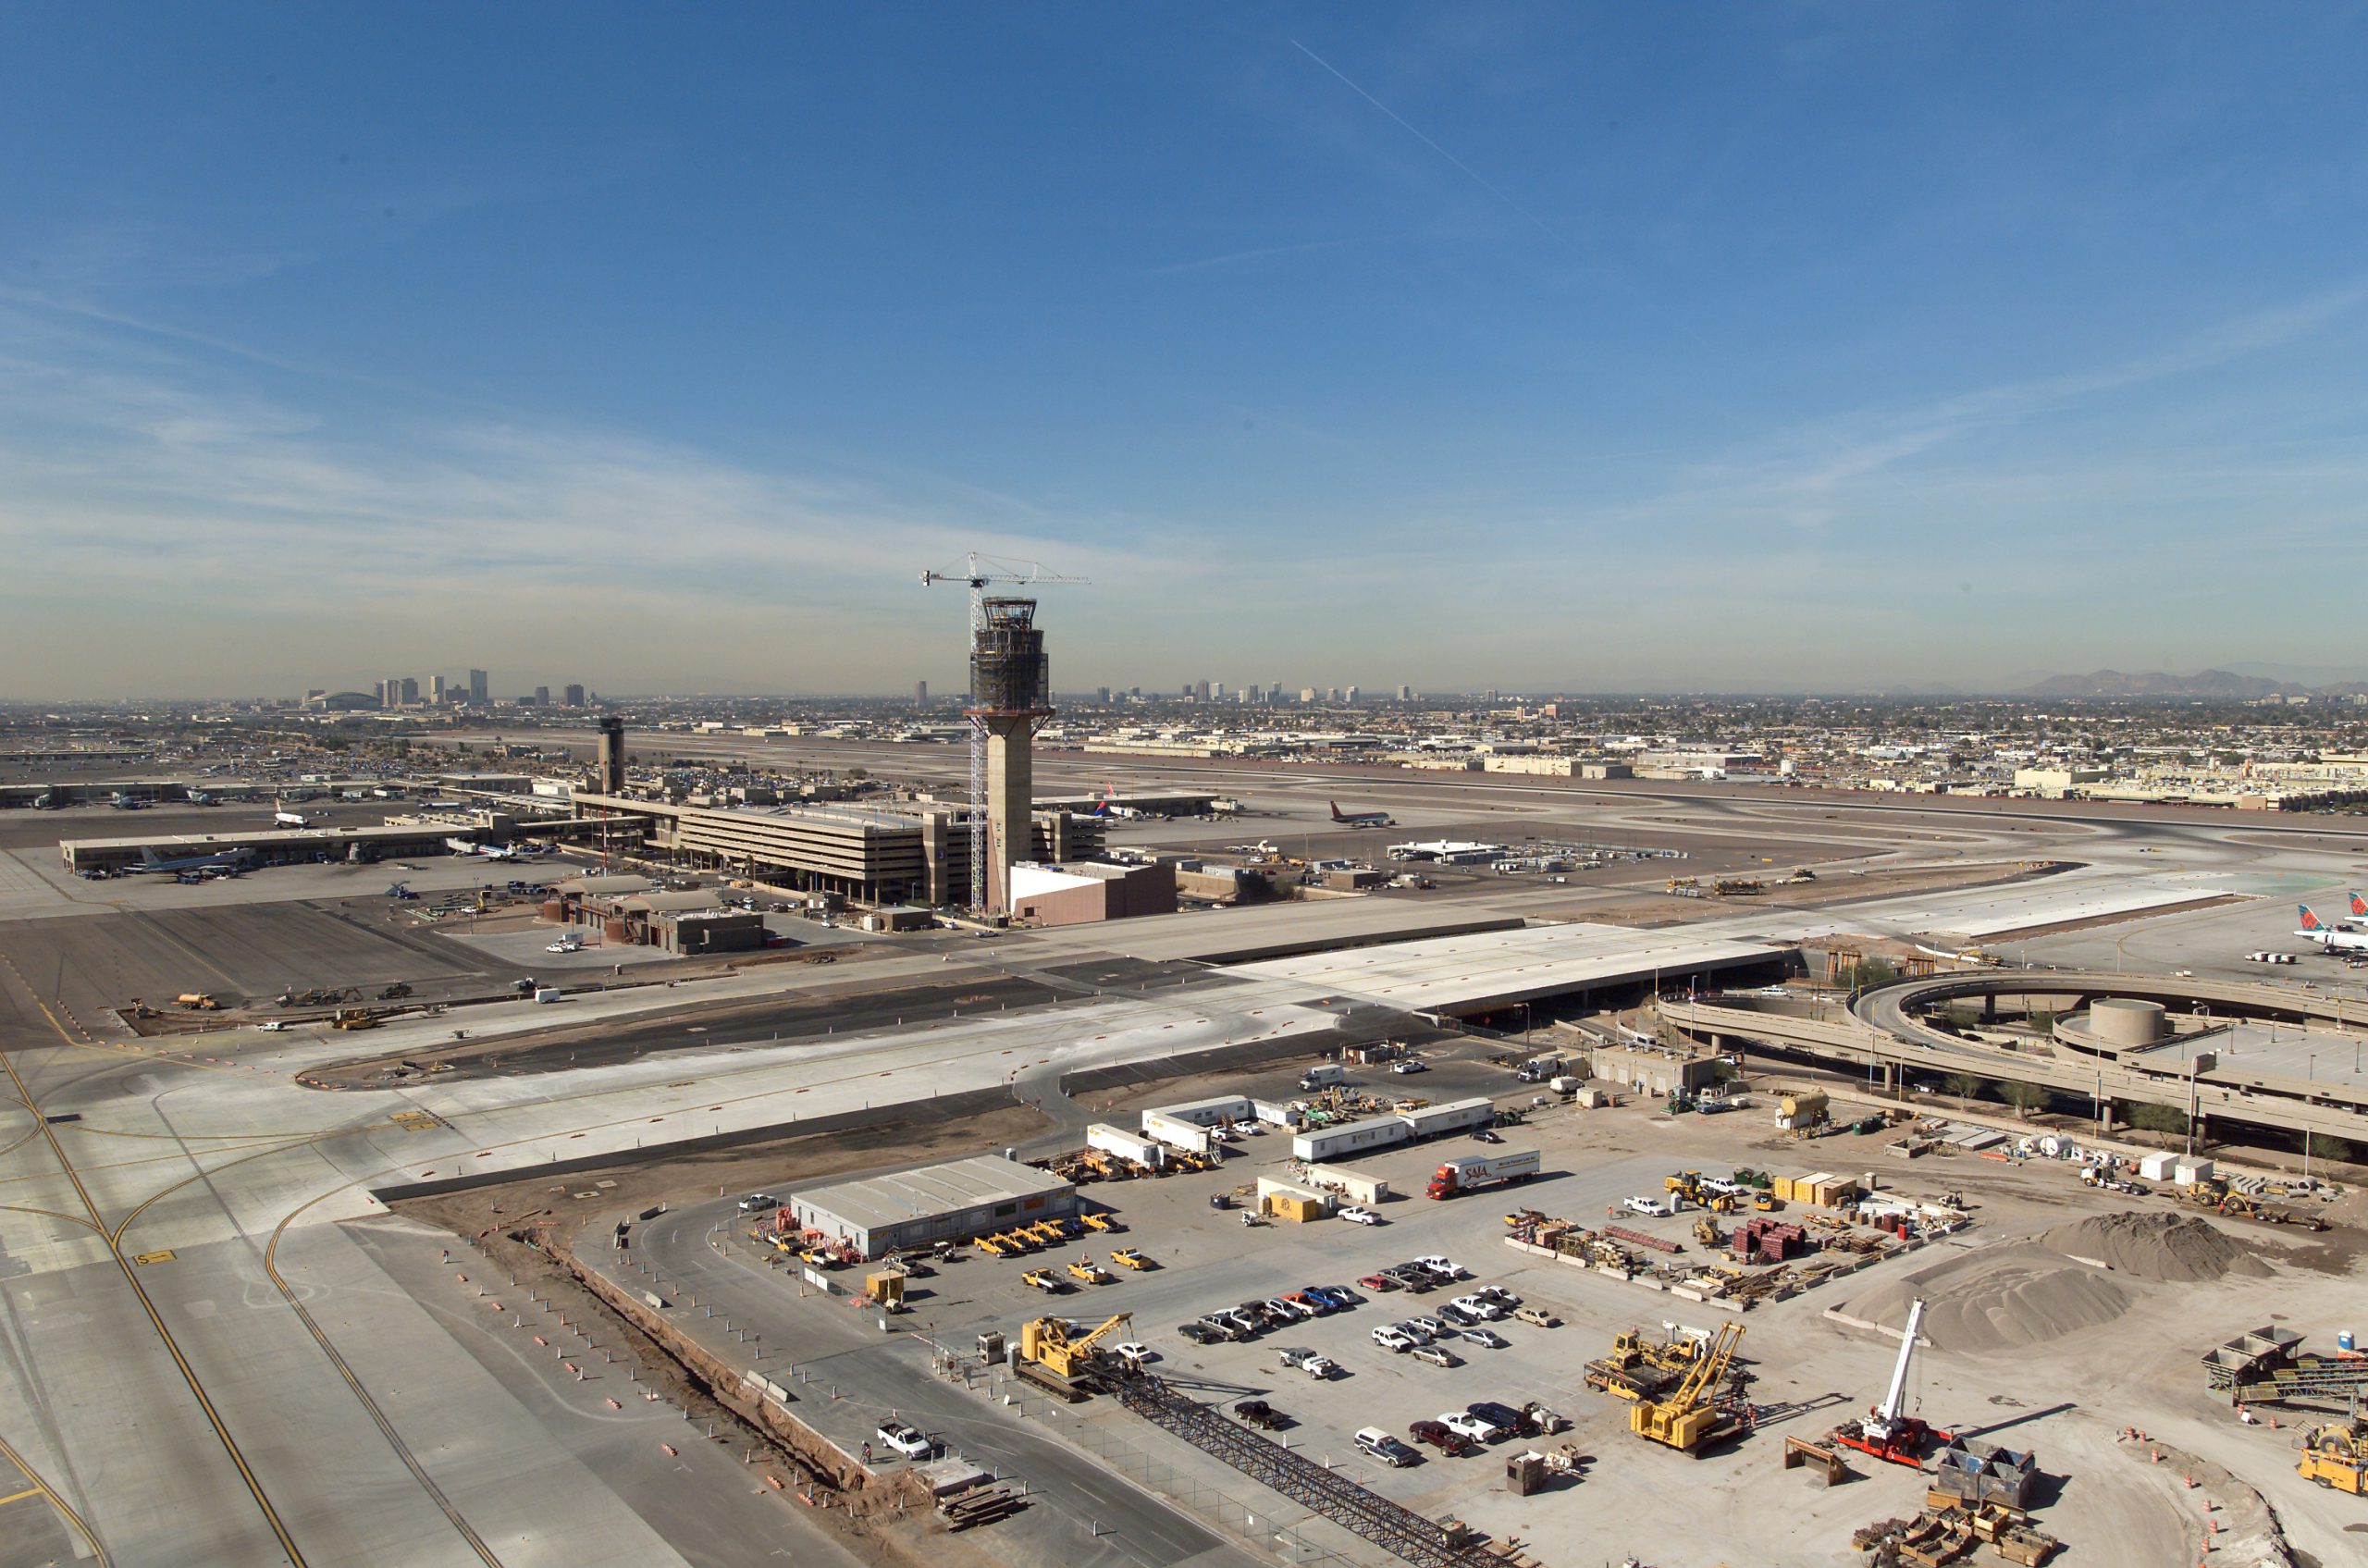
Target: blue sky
(1542, 347)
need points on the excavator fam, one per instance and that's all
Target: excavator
(1690, 1417)
(2336, 1455)
(1887, 1432)
(1047, 1342)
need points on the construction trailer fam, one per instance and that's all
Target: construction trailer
(1127, 1146)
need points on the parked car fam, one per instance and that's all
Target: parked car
(1285, 1310)
(758, 1203)
(1380, 1282)
(1221, 1325)
(1406, 1275)
(1258, 1413)
(1414, 1331)
(1134, 1355)
(1654, 1206)
(1330, 1298)
(1439, 1435)
(1475, 1428)
(1431, 1326)
(1393, 1339)
(1455, 1316)
(1200, 1333)
(1486, 1135)
(1381, 1446)
(1311, 1298)
(1410, 1064)
(1500, 1295)
(1445, 1269)
(1488, 1339)
(1480, 1307)
(1437, 1355)
(906, 1439)
(1537, 1316)
(1355, 1215)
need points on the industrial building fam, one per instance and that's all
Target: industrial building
(1080, 895)
(941, 1202)
(1655, 1069)
(1343, 1140)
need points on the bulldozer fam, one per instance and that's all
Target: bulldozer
(1047, 1341)
(2336, 1455)
(1690, 1416)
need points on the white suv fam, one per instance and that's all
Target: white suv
(1392, 1338)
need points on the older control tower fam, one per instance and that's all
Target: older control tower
(1011, 693)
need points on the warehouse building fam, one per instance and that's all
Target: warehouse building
(940, 1203)
(1081, 895)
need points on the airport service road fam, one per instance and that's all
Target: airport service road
(849, 1377)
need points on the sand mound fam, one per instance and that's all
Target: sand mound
(1998, 1299)
(2156, 1246)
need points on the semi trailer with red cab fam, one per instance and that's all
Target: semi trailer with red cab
(1475, 1172)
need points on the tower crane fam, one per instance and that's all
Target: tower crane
(978, 571)
(1888, 1432)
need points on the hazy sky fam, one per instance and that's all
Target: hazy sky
(1594, 347)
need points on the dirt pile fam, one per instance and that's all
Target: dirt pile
(1998, 1299)
(2180, 1248)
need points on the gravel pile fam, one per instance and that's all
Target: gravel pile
(2176, 1247)
(1998, 1299)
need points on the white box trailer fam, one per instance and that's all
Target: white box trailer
(2157, 1167)
(1126, 1145)
(2189, 1171)
(1176, 1133)
(1457, 1115)
(1321, 1143)
(1203, 1113)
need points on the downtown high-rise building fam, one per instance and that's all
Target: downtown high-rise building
(478, 687)
(571, 695)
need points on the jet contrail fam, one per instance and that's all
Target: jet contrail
(1474, 173)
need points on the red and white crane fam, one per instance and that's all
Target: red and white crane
(1888, 1432)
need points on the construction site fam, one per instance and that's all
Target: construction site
(1878, 1213)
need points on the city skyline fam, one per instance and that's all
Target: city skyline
(1586, 351)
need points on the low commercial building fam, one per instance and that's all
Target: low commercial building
(941, 1202)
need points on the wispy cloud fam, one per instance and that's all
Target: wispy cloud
(1263, 252)
(1403, 124)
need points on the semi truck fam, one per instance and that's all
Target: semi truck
(1474, 1172)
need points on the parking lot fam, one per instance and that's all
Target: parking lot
(1809, 1371)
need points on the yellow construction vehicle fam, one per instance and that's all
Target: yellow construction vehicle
(1091, 1272)
(1767, 1203)
(198, 1001)
(2336, 1455)
(353, 1017)
(1047, 1342)
(1126, 1257)
(1690, 1416)
(1707, 1231)
(1686, 1184)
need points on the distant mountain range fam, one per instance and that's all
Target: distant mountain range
(2222, 685)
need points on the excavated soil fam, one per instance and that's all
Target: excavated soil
(1998, 1299)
